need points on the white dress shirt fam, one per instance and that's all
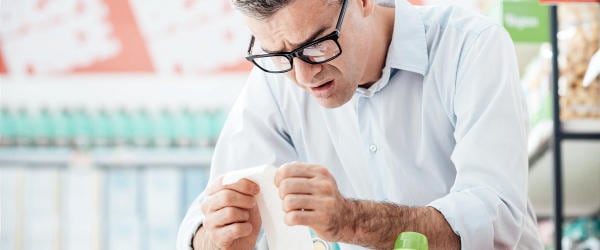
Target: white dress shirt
(445, 126)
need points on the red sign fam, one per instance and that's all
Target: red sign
(40, 37)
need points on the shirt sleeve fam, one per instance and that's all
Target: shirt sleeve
(487, 205)
(254, 134)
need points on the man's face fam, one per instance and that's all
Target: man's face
(332, 83)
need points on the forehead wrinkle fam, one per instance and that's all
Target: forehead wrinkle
(287, 34)
(317, 34)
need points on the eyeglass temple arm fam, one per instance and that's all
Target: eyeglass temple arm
(251, 44)
(338, 26)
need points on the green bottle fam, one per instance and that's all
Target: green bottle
(411, 241)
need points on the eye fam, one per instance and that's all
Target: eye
(314, 50)
(321, 52)
(315, 46)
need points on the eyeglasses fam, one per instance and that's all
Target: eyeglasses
(318, 51)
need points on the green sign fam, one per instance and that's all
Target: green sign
(526, 21)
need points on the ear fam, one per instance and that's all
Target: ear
(366, 7)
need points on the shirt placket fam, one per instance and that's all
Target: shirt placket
(371, 144)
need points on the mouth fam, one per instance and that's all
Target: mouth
(322, 86)
(324, 90)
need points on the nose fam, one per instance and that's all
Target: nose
(304, 72)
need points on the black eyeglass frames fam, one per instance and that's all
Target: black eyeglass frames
(318, 51)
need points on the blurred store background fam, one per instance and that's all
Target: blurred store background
(109, 110)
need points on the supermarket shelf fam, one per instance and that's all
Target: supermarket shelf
(55, 157)
(591, 126)
(94, 207)
(580, 172)
(540, 136)
(153, 157)
(118, 157)
(581, 136)
(563, 136)
(583, 129)
(580, 180)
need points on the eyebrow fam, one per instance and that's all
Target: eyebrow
(313, 37)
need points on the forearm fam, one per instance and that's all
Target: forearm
(201, 241)
(378, 224)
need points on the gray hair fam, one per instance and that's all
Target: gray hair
(263, 9)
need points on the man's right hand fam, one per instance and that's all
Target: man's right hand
(231, 218)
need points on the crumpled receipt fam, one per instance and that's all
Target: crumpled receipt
(279, 235)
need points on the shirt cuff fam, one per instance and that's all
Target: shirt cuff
(187, 230)
(469, 219)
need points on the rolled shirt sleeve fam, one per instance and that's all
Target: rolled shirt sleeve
(487, 204)
(254, 134)
(488, 201)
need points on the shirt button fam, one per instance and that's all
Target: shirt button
(373, 148)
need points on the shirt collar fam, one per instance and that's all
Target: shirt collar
(408, 48)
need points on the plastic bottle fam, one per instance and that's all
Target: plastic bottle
(7, 126)
(24, 127)
(141, 126)
(45, 127)
(411, 241)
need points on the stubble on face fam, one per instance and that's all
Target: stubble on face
(342, 88)
(287, 27)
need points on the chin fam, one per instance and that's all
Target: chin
(332, 102)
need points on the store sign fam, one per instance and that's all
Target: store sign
(180, 37)
(526, 21)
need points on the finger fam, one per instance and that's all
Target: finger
(244, 186)
(214, 186)
(229, 215)
(298, 202)
(224, 236)
(294, 185)
(229, 198)
(294, 169)
(301, 217)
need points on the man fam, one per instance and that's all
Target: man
(384, 119)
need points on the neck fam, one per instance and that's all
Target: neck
(383, 27)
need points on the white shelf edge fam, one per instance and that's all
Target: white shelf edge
(581, 126)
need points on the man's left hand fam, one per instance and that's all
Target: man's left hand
(311, 198)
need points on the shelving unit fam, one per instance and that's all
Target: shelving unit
(120, 157)
(121, 182)
(561, 132)
(112, 198)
